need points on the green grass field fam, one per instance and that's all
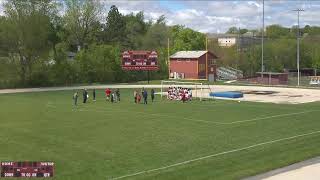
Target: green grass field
(100, 140)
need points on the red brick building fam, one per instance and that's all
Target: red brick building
(192, 65)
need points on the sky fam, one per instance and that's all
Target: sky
(217, 16)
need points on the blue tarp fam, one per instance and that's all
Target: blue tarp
(227, 94)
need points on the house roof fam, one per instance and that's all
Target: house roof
(191, 54)
(188, 54)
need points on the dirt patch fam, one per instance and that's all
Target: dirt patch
(259, 92)
(278, 95)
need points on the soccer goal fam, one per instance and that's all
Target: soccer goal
(176, 90)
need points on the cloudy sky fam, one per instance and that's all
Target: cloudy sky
(217, 16)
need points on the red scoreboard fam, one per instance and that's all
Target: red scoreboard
(140, 60)
(26, 169)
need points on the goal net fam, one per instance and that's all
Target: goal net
(177, 90)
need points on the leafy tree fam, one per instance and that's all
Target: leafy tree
(307, 29)
(54, 34)
(243, 31)
(156, 35)
(82, 21)
(314, 30)
(310, 52)
(187, 39)
(26, 32)
(115, 28)
(136, 29)
(99, 63)
(277, 31)
(233, 30)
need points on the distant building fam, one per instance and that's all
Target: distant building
(242, 41)
(227, 41)
(192, 65)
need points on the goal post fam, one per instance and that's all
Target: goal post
(196, 87)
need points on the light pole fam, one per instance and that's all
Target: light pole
(298, 44)
(262, 40)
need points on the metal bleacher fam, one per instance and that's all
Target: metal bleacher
(229, 73)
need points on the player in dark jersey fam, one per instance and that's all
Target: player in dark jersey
(118, 94)
(94, 94)
(145, 97)
(152, 95)
(85, 95)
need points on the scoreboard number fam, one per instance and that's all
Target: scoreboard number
(27, 169)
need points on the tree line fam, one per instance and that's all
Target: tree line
(280, 49)
(47, 43)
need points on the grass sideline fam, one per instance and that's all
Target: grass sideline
(100, 140)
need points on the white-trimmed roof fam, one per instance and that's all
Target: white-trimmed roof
(188, 54)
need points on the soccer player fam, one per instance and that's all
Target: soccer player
(85, 95)
(75, 98)
(138, 98)
(112, 97)
(152, 95)
(108, 92)
(135, 95)
(183, 98)
(94, 94)
(118, 94)
(145, 96)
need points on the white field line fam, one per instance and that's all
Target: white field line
(242, 104)
(270, 117)
(214, 155)
(209, 122)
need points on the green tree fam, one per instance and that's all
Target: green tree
(233, 30)
(243, 31)
(54, 34)
(115, 27)
(136, 29)
(99, 63)
(156, 35)
(186, 39)
(277, 31)
(26, 32)
(81, 21)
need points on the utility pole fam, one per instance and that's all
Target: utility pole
(262, 41)
(168, 48)
(298, 44)
(239, 47)
(207, 57)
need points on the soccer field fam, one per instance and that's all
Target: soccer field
(161, 140)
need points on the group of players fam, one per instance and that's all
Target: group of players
(144, 93)
(179, 93)
(114, 96)
(85, 96)
(174, 93)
